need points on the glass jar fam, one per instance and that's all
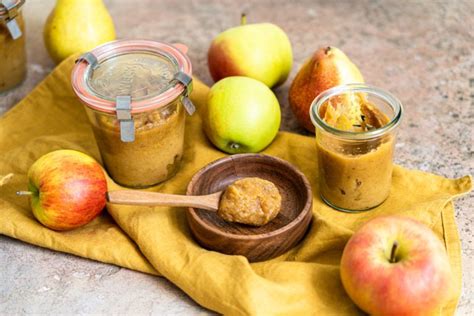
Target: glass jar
(135, 94)
(355, 168)
(12, 44)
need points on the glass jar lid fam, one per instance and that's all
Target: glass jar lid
(151, 74)
(140, 75)
(132, 76)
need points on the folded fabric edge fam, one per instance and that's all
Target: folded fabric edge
(37, 244)
(34, 243)
(453, 247)
(42, 234)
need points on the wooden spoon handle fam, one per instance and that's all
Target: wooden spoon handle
(132, 197)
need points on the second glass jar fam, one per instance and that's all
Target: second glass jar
(355, 168)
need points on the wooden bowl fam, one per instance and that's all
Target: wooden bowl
(255, 243)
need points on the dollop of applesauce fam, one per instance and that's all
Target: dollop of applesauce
(352, 112)
(252, 201)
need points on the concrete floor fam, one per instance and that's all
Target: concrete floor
(422, 51)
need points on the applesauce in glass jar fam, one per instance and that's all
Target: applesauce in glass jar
(12, 44)
(135, 94)
(355, 137)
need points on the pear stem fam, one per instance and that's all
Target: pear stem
(243, 19)
(23, 193)
(393, 253)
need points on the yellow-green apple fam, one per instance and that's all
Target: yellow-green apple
(396, 265)
(242, 115)
(327, 68)
(261, 51)
(67, 189)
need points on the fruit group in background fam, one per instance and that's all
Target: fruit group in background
(67, 189)
(396, 266)
(77, 26)
(260, 51)
(327, 68)
(242, 115)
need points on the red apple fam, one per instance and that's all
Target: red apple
(396, 266)
(67, 188)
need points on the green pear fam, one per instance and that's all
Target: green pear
(242, 115)
(77, 26)
(260, 51)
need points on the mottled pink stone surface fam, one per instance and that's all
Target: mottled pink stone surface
(422, 51)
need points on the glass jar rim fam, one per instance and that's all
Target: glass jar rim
(357, 88)
(176, 52)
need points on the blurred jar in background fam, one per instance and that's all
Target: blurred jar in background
(12, 44)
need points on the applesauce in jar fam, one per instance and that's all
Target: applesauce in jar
(135, 95)
(355, 136)
(12, 44)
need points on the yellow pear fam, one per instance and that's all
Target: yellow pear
(77, 26)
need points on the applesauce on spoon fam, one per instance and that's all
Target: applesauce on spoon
(355, 136)
(252, 201)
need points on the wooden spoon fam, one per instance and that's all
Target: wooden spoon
(208, 202)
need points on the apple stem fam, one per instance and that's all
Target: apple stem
(393, 254)
(243, 19)
(234, 146)
(22, 193)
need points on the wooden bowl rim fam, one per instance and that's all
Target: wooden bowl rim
(306, 208)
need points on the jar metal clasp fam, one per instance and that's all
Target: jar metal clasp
(89, 58)
(123, 106)
(12, 11)
(187, 81)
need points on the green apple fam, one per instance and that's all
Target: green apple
(260, 51)
(242, 115)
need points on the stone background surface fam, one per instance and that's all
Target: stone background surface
(421, 51)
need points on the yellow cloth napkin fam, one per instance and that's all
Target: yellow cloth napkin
(305, 280)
